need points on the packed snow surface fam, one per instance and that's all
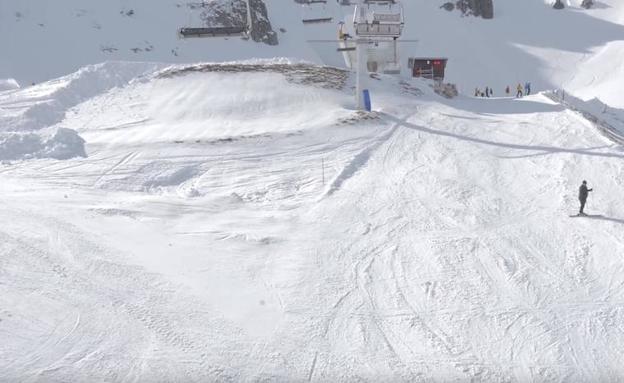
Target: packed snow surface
(216, 231)
(239, 221)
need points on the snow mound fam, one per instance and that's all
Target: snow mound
(45, 105)
(57, 143)
(8, 84)
(211, 102)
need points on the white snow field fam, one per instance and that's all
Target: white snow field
(240, 222)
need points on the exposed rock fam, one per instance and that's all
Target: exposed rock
(222, 13)
(478, 8)
(302, 74)
(485, 8)
(448, 6)
(587, 4)
(233, 13)
(446, 89)
(261, 30)
(558, 5)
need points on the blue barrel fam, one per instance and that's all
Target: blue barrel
(367, 100)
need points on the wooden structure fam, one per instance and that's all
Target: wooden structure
(432, 68)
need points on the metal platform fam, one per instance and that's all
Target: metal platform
(318, 20)
(212, 32)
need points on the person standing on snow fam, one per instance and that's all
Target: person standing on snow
(583, 193)
(507, 90)
(527, 88)
(519, 92)
(477, 92)
(487, 92)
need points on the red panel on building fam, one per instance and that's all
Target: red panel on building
(428, 67)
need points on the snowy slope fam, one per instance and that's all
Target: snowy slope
(429, 241)
(45, 40)
(526, 41)
(240, 221)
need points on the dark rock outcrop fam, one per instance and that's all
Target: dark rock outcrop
(587, 4)
(261, 30)
(222, 13)
(478, 8)
(448, 6)
(558, 5)
(485, 8)
(233, 13)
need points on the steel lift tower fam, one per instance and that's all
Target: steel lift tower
(374, 22)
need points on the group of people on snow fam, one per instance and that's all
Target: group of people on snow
(527, 89)
(520, 91)
(487, 93)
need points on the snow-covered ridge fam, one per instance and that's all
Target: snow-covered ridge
(48, 102)
(8, 84)
(608, 119)
(204, 101)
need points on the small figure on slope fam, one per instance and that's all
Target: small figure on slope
(527, 88)
(519, 90)
(583, 193)
(507, 90)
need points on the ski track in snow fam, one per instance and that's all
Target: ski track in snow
(439, 250)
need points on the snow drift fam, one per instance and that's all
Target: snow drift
(48, 102)
(209, 102)
(60, 144)
(8, 84)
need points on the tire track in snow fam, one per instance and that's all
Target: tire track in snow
(123, 161)
(358, 161)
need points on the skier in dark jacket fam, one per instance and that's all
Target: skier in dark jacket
(583, 193)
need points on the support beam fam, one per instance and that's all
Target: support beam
(361, 72)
